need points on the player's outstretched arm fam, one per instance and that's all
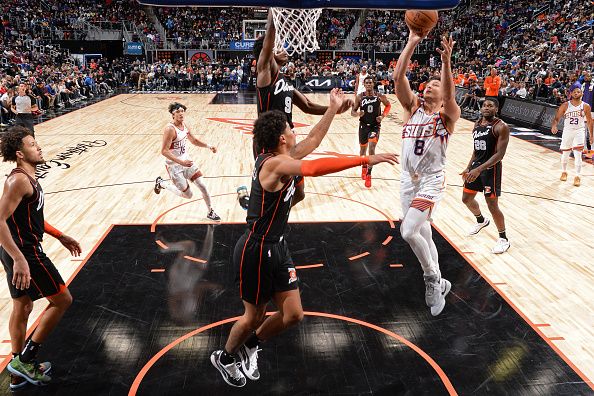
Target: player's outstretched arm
(405, 95)
(309, 107)
(16, 188)
(318, 132)
(448, 89)
(279, 166)
(264, 78)
(197, 142)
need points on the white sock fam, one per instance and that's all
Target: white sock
(564, 160)
(578, 161)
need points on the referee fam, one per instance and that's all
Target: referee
(23, 105)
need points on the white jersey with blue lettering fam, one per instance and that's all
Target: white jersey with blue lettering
(424, 143)
(575, 117)
(178, 146)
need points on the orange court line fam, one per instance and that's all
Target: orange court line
(359, 256)
(388, 239)
(308, 266)
(556, 338)
(499, 283)
(519, 312)
(396, 265)
(4, 363)
(195, 259)
(6, 341)
(163, 246)
(438, 370)
(158, 270)
(154, 224)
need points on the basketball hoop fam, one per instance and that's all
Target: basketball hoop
(295, 29)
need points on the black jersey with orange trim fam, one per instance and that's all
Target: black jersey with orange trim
(485, 141)
(371, 107)
(268, 212)
(26, 222)
(277, 96)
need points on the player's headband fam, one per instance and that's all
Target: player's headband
(175, 107)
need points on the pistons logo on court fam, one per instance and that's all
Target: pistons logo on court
(292, 275)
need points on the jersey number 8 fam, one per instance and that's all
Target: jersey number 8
(480, 145)
(419, 147)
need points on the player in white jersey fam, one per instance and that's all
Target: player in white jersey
(576, 113)
(360, 81)
(182, 170)
(424, 141)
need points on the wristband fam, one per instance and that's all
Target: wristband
(51, 230)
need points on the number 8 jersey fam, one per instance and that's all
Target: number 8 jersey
(424, 143)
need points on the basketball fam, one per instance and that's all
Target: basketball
(420, 21)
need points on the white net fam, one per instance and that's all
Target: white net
(296, 29)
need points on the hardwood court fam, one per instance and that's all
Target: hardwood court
(103, 160)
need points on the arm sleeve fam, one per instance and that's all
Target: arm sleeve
(324, 166)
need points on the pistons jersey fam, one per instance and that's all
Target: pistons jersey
(26, 224)
(277, 96)
(485, 141)
(268, 212)
(424, 143)
(371, 107)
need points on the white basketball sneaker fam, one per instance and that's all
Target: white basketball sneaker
(479, 226)
(501, 246)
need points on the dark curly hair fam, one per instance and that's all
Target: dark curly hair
(175, 105)
(268, 128)
(258, 44)
(12, 141)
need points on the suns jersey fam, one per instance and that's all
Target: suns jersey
(424, 143)
(178, 146)
(361, 87)
(575, 117)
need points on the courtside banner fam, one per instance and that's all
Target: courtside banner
(534, 114)
(323, 83)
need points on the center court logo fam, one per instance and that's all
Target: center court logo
(58, 161)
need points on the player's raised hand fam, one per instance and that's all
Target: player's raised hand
(390, 158)
(346, 104)
(447, 45)
(336, 99)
